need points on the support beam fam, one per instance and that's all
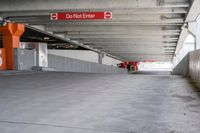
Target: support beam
(182, 37)
(115, 17)
(42, 54)
(129, 46)
(123, 36)
(142, 57)
(11, 39)
(138, 50)
(137, 11)
(125, 40)
(194, 11)
(173, 21)
(133, 33)
(110, 28)
(132, 44)
(100, 58)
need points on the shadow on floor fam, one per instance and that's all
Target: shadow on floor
(194, 85)
(153, 72)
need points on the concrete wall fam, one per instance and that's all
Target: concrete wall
(182, 68)
(60, 63)
(24, 59)
(110, 61)
(84, 55)
(194, 66)
(190, 66)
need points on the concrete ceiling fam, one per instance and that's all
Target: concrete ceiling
(139, 30)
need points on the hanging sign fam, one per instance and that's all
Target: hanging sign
(81, 16)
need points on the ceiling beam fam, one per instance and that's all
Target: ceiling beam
(41, 5)
(183, 35)
(132, 44)
(122, 36)
(137, 11)
(125, 40)
(114, 21)
(138, 26)
(134, 33)
(115, 17)
(194, 11)
(110, 28)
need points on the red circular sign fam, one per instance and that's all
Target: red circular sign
(108, 15)
(54, 16)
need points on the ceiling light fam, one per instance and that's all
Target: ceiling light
(46, 38)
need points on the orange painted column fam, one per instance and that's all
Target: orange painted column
(2, 59)
(11, 39)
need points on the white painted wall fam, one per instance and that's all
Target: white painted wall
(194, 27)
(187, 46)
(198, 32)
(84, 55)
(110, 61)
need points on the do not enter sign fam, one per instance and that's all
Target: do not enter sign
(81, 15)
(108, 15)
(54, 16)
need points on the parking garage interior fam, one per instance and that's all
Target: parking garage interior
(92, 66)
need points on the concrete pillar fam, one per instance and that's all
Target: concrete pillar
(11, 39)
(2, 59)
(100, 58)
(198, 35)
(41, 55)
(195, 43)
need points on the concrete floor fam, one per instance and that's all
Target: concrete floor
(98, 103)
